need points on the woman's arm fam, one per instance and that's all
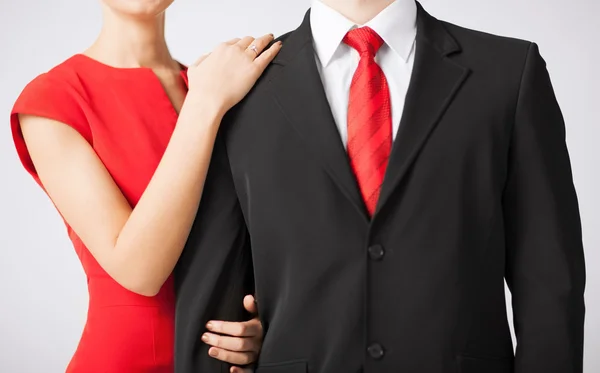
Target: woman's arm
(139, 247)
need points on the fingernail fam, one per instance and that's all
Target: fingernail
(205, 337)
(213, 352)
(213, 326)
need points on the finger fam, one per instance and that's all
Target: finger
(250, 304)
(234, 344)
(233, 41)
(237, 358)
(245, 42)
(250, 328)
(260, 44)
(267, 56)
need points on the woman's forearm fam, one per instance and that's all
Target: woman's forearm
(151, 241)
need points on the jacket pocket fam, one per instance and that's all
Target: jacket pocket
(468, 364)
(286, 367)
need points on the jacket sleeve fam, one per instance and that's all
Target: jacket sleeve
(545, 260)
(214, 272)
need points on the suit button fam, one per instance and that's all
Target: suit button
(375, 351)
(376, 252)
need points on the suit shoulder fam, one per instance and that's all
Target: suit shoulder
(497, 54)
(283, 37)
(471, 37)
(272, 68)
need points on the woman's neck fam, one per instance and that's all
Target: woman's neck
(131, 43)
(359, 11)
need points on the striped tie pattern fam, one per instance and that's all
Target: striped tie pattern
(369, 117)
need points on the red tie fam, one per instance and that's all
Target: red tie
(369, 117)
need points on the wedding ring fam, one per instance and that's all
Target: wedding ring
(253, 49)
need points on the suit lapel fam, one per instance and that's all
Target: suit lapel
(299, 92)
(435, 81)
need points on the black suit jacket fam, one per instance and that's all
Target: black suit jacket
(478, 190)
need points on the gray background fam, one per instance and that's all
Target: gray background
(43, 296)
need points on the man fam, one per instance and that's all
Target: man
(375, 189)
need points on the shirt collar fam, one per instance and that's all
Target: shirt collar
(396, 24)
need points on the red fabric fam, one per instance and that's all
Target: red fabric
(128, 119)
(369, 117)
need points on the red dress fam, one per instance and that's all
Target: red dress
(127, 117)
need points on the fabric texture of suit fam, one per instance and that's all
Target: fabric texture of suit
(478, 190)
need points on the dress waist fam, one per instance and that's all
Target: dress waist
(106, 292)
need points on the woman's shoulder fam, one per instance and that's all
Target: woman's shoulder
(57, 94)
(65, 74)
(61, 81)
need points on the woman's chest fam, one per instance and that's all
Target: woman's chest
(132, 137)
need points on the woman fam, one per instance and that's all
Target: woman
(122, 147)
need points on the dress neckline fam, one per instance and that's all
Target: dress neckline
(89, 59)
(146, 73)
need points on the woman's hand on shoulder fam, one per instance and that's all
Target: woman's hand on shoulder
(225, 76)
(236, 343)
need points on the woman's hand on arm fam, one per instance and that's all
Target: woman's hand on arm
(236, 342)
(139, 247)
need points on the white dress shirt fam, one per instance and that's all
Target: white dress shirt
(337, 62)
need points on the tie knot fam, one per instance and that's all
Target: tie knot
(364, 40)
